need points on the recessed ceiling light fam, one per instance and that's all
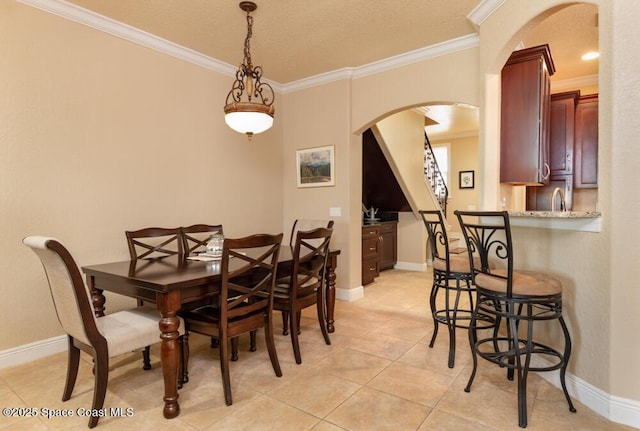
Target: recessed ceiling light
(591, 55)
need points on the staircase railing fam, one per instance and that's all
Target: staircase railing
(434, 176)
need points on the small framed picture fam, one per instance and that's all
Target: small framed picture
(315, 167)
(467, 180)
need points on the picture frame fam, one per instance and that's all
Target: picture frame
(315, 166)
(466, 179)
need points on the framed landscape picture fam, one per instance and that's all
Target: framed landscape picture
(315, 167)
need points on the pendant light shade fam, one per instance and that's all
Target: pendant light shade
(249, 105)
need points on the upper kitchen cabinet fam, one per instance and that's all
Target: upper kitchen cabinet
(562, 128)
(586, 143)
(525, 114)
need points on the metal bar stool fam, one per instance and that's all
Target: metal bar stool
(451, 277)
(522, 298)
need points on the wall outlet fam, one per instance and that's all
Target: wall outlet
(335, 212)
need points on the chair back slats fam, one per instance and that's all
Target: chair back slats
(195, 237)
(488, 238)
(437, 234)
(71, 297)
(310, 255)
(154, 242)
(248, 271)
(306, 225)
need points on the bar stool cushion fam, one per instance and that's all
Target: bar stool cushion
(457, 263)
(525, 283)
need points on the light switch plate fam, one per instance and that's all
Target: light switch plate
(335, 211)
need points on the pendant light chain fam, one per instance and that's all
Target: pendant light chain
(249, 105)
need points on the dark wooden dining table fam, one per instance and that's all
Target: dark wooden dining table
(174, 283)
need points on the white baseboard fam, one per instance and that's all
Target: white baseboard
(32, 351)
(350, 295)
(624, 411)
(411, 266)
(615, 409)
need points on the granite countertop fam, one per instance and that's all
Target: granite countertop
(587, 221)
(556, 214)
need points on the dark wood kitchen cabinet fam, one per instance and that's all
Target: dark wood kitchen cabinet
(562, 127)
(525, 115)
(370, 253)
(388, 245)
(586, 143)
(379, 249)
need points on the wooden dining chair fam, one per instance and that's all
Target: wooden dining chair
(150, 243)
(306, 283)
(522, 299)
(194, 241)
(245, 302)
(154, 242)
(195, 237)
(301, 225)
(102, 338)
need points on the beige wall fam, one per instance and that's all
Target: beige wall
(314, 117)
(621, 112)
(99, 135)
(376, 96)
(402, 142)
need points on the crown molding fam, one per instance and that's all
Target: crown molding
(316, 80)
(483, 11)
(439, 49)
(101, 23)
(574, 83)
(447, 47)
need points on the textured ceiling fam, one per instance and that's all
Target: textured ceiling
(297, 39)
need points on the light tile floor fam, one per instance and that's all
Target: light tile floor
(378, 374)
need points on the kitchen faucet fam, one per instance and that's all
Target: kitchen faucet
(563, 206)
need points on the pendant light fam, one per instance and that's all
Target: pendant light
(249, 105)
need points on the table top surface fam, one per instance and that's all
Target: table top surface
(171, 272)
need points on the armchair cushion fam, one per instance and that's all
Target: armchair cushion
(124, 329)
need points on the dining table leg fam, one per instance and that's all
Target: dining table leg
(168, 304)
(97, 297)
(331, 290)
